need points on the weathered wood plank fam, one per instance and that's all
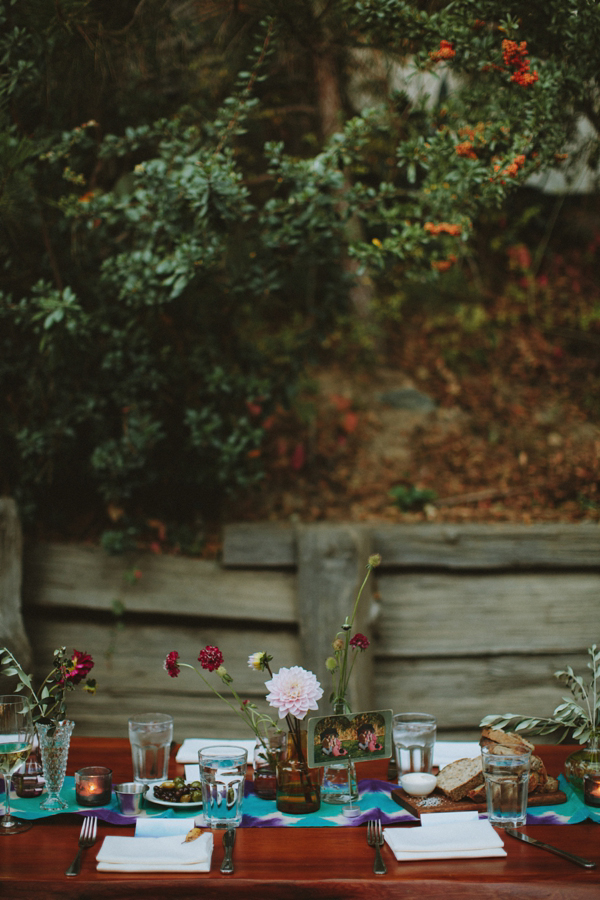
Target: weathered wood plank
(131, 678)
(447, 614)
(489, 546)
(460, 692)
(331, 567)
(270, 544)
(12, 632)
(69, 575)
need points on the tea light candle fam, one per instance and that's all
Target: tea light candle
(93, 786)
(591, 790)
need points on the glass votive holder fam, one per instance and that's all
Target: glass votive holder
(93, 786)
(591, 790)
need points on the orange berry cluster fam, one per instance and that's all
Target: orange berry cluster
(515, 57)
(446, 51)
(443, 228)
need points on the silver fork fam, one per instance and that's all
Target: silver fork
(375, 839)
(87, 837)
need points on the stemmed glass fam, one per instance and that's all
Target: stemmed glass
(16, 741)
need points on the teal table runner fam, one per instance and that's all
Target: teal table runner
(375, 803)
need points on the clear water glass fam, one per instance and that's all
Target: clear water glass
(414, 739)
(506, 778)
(223, 775)
(150, 737)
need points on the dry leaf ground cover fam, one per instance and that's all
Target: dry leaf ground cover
(485, 410)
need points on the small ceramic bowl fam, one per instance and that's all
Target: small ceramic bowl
(418, 784)
(131, 797)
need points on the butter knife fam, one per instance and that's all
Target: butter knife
(578, 860)
(228, 842)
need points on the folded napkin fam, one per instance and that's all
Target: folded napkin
(155, 854)
(166, 827)
(445, 752)
(463, 840)
(188, 752)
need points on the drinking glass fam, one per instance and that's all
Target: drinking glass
(414, 740)
(16, 741)
(222, 774)
(506, 777)
(150, 736)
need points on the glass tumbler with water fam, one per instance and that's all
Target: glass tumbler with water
(150, 736)
(222, 775)
(506, 777)
(414, 739)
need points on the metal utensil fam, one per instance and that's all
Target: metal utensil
(578, 860)
(228, 842)
(375, 839)
(87, 837)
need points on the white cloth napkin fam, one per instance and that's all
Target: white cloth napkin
(165, 827)
(445, 752)
(155, 854)
(188, 752)
(463, 840)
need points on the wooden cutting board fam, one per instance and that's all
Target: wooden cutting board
(438, 802)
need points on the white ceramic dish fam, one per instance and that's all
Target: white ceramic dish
(418, 784)
(171, 803)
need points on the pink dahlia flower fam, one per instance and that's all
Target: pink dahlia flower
(294, 691)
(171, 664)
(210, 658)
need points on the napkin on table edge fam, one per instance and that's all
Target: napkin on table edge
(420, 844)
(121, 862)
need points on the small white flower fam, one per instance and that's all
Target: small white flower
(255, 660)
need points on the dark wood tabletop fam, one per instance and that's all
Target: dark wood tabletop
(293, 863)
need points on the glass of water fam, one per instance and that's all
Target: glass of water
(222, 775)
(506, 778)
(414, 739)
(150, 736)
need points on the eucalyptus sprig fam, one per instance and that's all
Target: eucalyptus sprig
(579, 714)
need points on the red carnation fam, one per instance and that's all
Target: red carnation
(171, 664)
(359, 641)
(210, 658)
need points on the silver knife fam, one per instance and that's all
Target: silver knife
(578, 860)
(228, 842)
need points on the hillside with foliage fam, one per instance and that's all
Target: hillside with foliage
(204, 207)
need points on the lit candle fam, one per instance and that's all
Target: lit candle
(93, 786)
(591, 790)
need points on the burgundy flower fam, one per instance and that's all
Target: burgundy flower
(171, 664)
(210, 658)
(359, 641)
(77, 668)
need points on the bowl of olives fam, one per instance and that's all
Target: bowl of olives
(176, 792)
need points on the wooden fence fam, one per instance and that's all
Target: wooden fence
(464, 620)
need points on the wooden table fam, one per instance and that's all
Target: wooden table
(291, 863)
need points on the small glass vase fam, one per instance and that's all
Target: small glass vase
(339, 784)
(585, 761)
(264, 765)
(54, 746)
(298, 789)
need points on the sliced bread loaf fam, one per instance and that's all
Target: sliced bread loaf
(459, 777)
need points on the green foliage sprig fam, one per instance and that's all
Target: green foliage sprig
(48, 702)
(578, 716)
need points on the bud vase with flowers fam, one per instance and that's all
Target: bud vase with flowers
(292, 692)
(48, 710)
(339, 781)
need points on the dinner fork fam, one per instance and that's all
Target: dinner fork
(375, 839)
(87, 837)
